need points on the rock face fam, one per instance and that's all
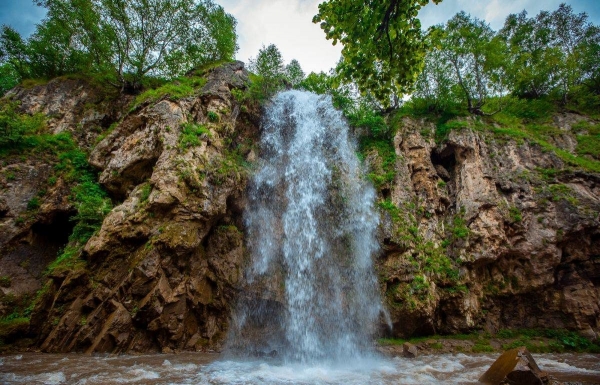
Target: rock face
(492, 232)
(161, 272)
(479, 231)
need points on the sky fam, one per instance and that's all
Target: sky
(288, 23)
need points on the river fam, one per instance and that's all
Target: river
(205, 368)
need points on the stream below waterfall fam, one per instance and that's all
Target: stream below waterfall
(205, 368)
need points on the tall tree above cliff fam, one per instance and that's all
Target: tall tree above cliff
(383, 44)
(130, 39)
(552, 52)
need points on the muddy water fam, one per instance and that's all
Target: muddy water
(197, 368)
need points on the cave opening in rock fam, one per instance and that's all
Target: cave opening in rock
(444, 163)
(47, 239)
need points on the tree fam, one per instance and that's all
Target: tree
(269, 73)
(578, 40)
(294, 73)
(383, 44)
(128, 39)
(476, 57)
(268, 63)
(551, 53)
(14, 51)
(434, 87)
(532, 62)
(8, 78)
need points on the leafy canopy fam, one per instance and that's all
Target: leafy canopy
(383, 43)
(123, 40)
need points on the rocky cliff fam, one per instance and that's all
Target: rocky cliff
(488, 228)
(479, 229)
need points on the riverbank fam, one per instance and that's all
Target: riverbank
(536, 341)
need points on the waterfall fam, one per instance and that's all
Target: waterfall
(311, 229)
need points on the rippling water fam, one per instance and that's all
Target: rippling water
(200, 368)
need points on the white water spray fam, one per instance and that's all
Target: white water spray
(311, 226)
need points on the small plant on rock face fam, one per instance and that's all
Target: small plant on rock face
(213, 116)
(191, 134)
(515, 214)
(33, 204)
(5, 281)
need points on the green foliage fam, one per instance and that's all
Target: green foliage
(547, 340)
(536, 135)
(588, 141)
(191, 135)
(8, 78)
(5, 281)
(322, 83)
(33, 204)
(443, 129)
(430, 262)
(16, 129)
(382, 42)
(384, 171)
(145, 192)
(268, 74)
(482, 347)
(122, 42)
(459, 227)
(527, 67)
(26, 136)
(177, 89)
(293, 73)
(515, 214)
(213, 116)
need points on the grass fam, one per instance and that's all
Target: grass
(176, 89)
(191, 135)
(443, 129)
(535, 340)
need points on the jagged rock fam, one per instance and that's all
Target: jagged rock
(409, 350)
(526, 258)
(515, 367)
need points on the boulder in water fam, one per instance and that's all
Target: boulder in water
(515, 367)
(409, 350)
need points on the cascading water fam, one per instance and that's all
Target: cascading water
(311, 227)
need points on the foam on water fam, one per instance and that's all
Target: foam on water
(195, 369)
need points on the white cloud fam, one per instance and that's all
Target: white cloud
(288, 25)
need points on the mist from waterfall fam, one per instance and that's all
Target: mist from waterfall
(311, 229)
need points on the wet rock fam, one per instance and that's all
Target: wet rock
(515, 367)
(409, 350)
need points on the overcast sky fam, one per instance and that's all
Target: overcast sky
(288, 23)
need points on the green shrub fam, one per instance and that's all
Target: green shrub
(384, 173)
(33, 204)
(213, 116)
(515, 214)
(5, 281)
(16, 128)
(191, 134)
